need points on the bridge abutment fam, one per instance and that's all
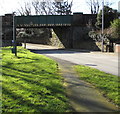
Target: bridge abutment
(75, 37)
(65, 35)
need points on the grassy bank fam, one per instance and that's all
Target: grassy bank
(106, 83)
(31, 83)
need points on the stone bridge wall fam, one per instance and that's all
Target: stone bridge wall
(76, 38)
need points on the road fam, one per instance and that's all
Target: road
(107, 62)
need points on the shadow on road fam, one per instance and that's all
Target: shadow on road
(58, 51)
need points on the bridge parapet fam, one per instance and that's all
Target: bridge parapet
(36, 21)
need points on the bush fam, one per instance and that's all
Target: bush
(111, 34)
(97, 36)
(115, 28)
(109, 15)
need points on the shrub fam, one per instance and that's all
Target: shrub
(115, 28)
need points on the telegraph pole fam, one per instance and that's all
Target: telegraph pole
(102, 26)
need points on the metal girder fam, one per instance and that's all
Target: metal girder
(43, 21)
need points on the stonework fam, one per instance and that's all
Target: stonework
(7, 30)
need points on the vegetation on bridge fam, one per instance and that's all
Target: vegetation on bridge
(31, 83)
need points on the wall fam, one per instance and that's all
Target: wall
(117, 48)
(7, 30)
(65, 36)
(81, 39)
(76, 36)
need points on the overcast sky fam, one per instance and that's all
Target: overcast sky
(9, 6)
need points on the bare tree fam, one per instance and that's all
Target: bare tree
(63, 8)
(46, 7)
(43, 7)
(25, 10)
(36, 5)
(94, 5)
(52, 7)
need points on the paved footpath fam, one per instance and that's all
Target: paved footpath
(83, 97)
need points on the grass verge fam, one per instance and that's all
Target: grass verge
(31, 83)
(106, 83)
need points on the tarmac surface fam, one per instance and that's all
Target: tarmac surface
(83, 97)
(107, 62)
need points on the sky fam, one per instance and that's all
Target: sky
(9, 6)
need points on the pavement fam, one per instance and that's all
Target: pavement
(83, 97)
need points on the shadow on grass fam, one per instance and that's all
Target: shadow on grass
(20, 101)
(31, 80)
(29, 58)
(32, 72)
(29, 63)
(31, 86)
(53, 88)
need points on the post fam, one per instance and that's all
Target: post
(102, 26)
(1, 63)
(14, 35)
(0, 34)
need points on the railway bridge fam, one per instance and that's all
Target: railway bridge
(70, 29)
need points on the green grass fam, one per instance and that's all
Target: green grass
(31, 83)
(106, 83)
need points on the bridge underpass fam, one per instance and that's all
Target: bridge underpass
(61, 24)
